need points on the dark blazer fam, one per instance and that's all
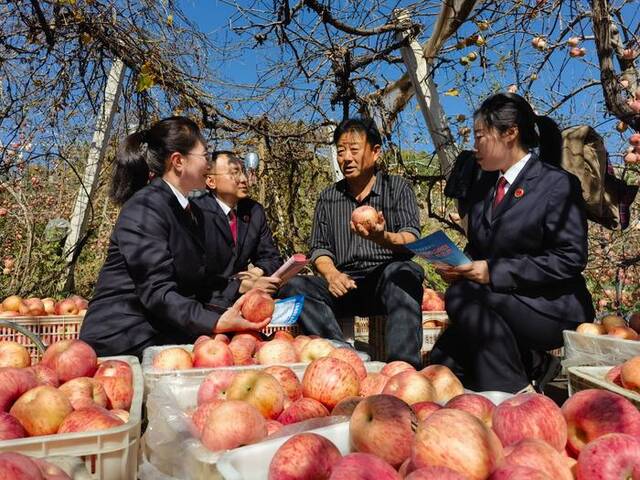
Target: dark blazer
(224, 259)
(535, 241)
(151, 288)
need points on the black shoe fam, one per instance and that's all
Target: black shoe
(549, 370)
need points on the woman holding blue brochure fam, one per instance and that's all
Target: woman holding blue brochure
(527, 239)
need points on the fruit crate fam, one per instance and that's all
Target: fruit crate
(271, 329)
(49, 329)
(110, 454)
(584, 378)
(596, 350)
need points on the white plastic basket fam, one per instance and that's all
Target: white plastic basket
(584, 378)
(595, 350)
(108, 454)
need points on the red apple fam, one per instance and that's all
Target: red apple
(625, 333)
(314, 349)
(457, 440)
(258, 306)
(203, 338)
(424, 409)
(70, 359)
(174, 358)
(395, 367)
(303, 409)
(273, 426)
(304, 456)
(277, 352)
(433, 473)
(518, 472)
(200, 414)
(10, 427)
(66, 307)
(373, 384)
(116, 378)
(45, 375)
(346, 406)
(299, 342)
(35, 307)
(13, 354)
(211, 353)
(411, 387)
(41, 410)
(593, 413)
(612, 456)
(383, 425)
(366, 217)
(50, 471)
(630, 374)
(444, 381)
(84, 392)
(539, 455)
(49, 306)
(288, 380)
(260, 390)
(13, 383)
(283, 335)
(363, 466)
(81, 303)
(242, 351)
(232, 424)
(121, 414)
(530, 415)
(350, 356)
(615, 375)
(330, 380)
(215, 386)
(90, 419)
(16, 466)
(480, 407)
(220, 337)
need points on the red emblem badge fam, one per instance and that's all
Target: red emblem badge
(518, 193)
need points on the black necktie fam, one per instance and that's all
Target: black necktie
(193, 221)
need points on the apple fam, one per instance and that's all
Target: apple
(363, 466)
(242, 351)
(10, 427)
(530, 415)
(518, 472)
(615, 375)
(288, 380)
(212, 353)
(258, 306)
(84, 392)
(121, 414)
(299, 342)
(35, 307)
(13, 354)
(174, 358)
(49, 306)
(12, 303)
(215, 386)
(66, 307)
(610, 321)
(346, 406)
(283, 335)
(304, 456)
(220, 337)
(70, 359)
(314, 349)
(540, 455)
(16, 466)
(612, 456)
(457, 440)
(395, 367)
(433, 473)
(445, 382)
(623, 332)
(13, 383)
(41, 410)
(411, 387)
(89, 419)
(277, 352)
(424, 409)
(80, 302)
(50, 471)
(365, 216)
(273, 426)
(200, 414)
(480, 407)
(593, 413)
(303, 409)
(372, 384)
(591, 329)
(260, 390)
(330, 380)
(232, 424)
(630, 374)
(116, 378)
(200, 339)
(384, 426)
(350, 356)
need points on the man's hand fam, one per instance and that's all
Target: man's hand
(339, 283)
(375, 233)
(233, 321)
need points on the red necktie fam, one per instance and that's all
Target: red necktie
(233, 224)
(502, 183)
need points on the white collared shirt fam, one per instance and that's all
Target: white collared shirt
(225, 208)
(182, 200)
(513, 171)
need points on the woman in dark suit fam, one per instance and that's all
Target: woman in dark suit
(150, 290)
(527, 238)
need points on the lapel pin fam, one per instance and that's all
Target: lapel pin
(245, 219)
(518, 193)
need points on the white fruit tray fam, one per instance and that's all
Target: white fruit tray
(584, 378)
(252, 462)
(108, 454)
(168, 444)
(152, 375)
(595, 350)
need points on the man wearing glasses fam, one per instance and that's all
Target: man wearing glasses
(241, 253)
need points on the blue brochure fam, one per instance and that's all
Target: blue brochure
(287, 311)
(438, 248)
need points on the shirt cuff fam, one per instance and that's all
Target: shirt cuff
(321, 252)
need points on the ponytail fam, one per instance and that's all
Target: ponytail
(550, 140)
(144, 155)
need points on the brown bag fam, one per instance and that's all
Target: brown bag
(607, 198)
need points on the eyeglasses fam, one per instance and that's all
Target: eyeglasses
(234, 174)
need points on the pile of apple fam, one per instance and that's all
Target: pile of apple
(626, 375)
(527, 437)
(15, 466)
(14, 306)
(432, 301)
(244, 349)
(68, 391)
(613, 325)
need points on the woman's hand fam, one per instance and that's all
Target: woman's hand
(476, 271)
(233, 321)
(254, 278)
(448, 273)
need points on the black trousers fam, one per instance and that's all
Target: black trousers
(494, 341)
(394, 290)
